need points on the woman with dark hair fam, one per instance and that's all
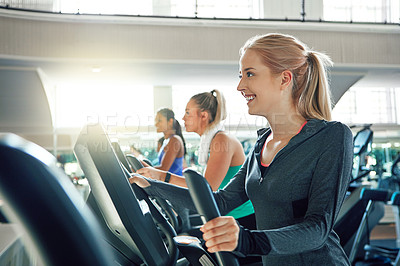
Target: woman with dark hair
(172, 151)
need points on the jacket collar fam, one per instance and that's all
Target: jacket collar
(312, 127)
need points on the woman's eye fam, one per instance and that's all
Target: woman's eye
(249, 74)
(240, 76)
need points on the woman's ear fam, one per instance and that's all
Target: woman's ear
(286, 78)
(170, 123)
(204, 116)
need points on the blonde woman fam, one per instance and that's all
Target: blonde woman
(298, 172)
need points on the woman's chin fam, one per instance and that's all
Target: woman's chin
(252, 112)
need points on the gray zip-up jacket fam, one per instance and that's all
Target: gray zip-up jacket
(296, 200)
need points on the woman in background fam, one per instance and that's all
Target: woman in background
(220, 153)
(172, 151)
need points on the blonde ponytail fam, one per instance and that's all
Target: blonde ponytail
(220, 113)
(315, 99)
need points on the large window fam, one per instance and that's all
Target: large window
(383, 11)
(378, 106)
(181, 8)
(217, 9)
(122, 7)
(369, 106)
(377, 11)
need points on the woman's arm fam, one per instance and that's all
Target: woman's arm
(221, 153)
(160, 175)
(171, 151)
(178, 196)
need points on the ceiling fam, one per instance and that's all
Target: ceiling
(158, 52)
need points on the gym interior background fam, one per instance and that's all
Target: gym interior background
(64, 64)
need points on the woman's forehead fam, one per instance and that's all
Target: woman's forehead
(159, 116)
(191, 104)
(250, 57)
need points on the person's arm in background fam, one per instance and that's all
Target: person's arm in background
(171, 151)
(180, 196)
(160, 175)
(221, 154)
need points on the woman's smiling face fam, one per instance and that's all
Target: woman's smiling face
(258, 85)
(161, 123)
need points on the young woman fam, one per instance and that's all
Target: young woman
(220, 153)
(172, 150)
(298, 172)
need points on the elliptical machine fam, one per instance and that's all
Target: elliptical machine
(353, 208)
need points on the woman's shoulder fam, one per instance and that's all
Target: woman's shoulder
(228, 140)
(224, 137)
(337, 126)
(175, 139)
(228, 144)
(317, 125)
(336, 129)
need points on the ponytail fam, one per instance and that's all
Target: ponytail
(315, 99)
(214, 103)
(220, 114)
(178, 131)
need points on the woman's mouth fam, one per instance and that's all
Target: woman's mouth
(249, 98)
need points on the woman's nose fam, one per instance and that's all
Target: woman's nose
(240, 85)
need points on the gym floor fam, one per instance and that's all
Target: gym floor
(385, 232)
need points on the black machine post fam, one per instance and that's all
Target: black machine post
(203, 199)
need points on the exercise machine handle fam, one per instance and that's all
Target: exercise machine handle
(206, 206)
(134, 162)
